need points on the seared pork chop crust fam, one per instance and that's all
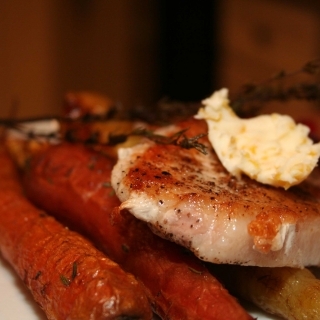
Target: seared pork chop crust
(189, 198)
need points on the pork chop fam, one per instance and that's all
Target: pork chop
(189, 198)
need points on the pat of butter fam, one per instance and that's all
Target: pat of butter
(271, 149)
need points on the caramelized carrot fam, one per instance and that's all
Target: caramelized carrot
(68, 277)
(73, 183)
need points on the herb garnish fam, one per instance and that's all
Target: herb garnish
(195, 271)
(74, 270)
(277, 88)
(37, 275)
(178, 139)
(106, 184)
(125, 248)
(67, 281)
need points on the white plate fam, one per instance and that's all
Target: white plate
(16, 300)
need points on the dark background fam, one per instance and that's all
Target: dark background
(139, 51)
(188, 48)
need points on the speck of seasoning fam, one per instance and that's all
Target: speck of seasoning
(125, 248)
(91, 166)
(27, 164)
(160, 202)
(195, 271)
(65, 281)
(74, 270)
(166, 173)
(106, 184)
(43, 289)
(37, 275)
(42, 214)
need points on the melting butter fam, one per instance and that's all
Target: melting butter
(271, 149)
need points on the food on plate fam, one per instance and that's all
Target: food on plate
(271, 149)
(92, 118)
(9, 176)
(190, 198)
(288, 292)
(78, 104)
(67, 276)
(73, 184)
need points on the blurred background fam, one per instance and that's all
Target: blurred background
(139, 51)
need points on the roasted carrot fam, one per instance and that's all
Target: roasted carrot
(73, 183)
(67, 276)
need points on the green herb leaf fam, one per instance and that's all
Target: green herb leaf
(65, 281)
(74, 270)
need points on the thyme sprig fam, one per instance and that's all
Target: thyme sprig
(178, 139)
(94, 138)
(66, 281)
(253, 95)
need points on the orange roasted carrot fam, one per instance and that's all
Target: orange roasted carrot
(73, 183)
(68, 277)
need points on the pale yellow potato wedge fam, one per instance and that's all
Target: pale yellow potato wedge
(291, 293)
